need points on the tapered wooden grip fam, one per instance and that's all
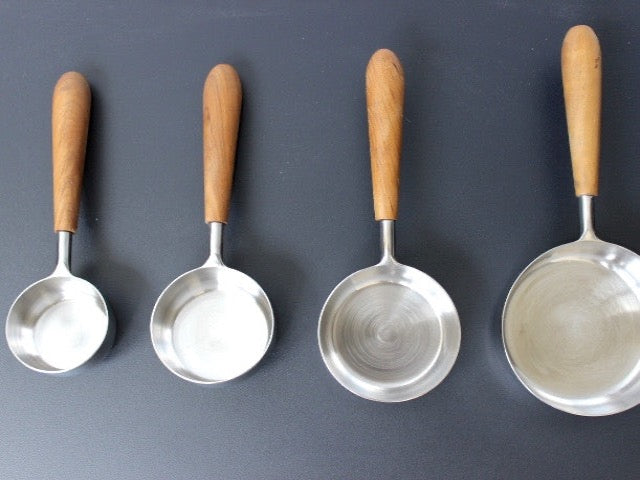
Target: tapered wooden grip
(582, 81)
(69, 127)
(221, 104)
(385, 101)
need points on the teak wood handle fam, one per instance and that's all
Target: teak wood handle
(70, 110)
(582, 82)
(385, 101)
(221, 104)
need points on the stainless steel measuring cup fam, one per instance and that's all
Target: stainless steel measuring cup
(571, 322)
(61, 322)
(214, 323)
(389, 332)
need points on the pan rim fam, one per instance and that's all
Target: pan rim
(442, 363)
(106, 323)
(268, 319)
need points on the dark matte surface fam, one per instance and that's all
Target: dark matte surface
(486, 187)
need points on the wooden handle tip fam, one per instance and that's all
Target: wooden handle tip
(384, 59)
(222, 72)
(579, 41)
(73, 80)
(580, 34)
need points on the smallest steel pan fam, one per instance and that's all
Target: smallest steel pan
(58, 324)
(61, 323)
(571, 328)
(389, 333)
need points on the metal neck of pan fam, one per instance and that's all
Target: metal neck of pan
(64, 254)
(387, 240)
(215, 244)
(586, 218)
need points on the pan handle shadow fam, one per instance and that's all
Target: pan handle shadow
(118, 281)
(561, 219)
(246, 247)
(276, 272)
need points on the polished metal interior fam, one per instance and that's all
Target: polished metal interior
(212, 324)
(571, 325)
(389, 332)
(59, 323)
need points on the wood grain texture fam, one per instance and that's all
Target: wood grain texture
(221, 105)
(385, 102)
(70, 110)
(582, 82)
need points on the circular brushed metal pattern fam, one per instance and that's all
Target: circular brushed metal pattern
(387, 328)
(571, 328)
(389, 333)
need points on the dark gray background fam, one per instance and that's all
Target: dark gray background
(486, 187)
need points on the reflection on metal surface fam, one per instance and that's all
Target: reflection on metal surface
(586, 218)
